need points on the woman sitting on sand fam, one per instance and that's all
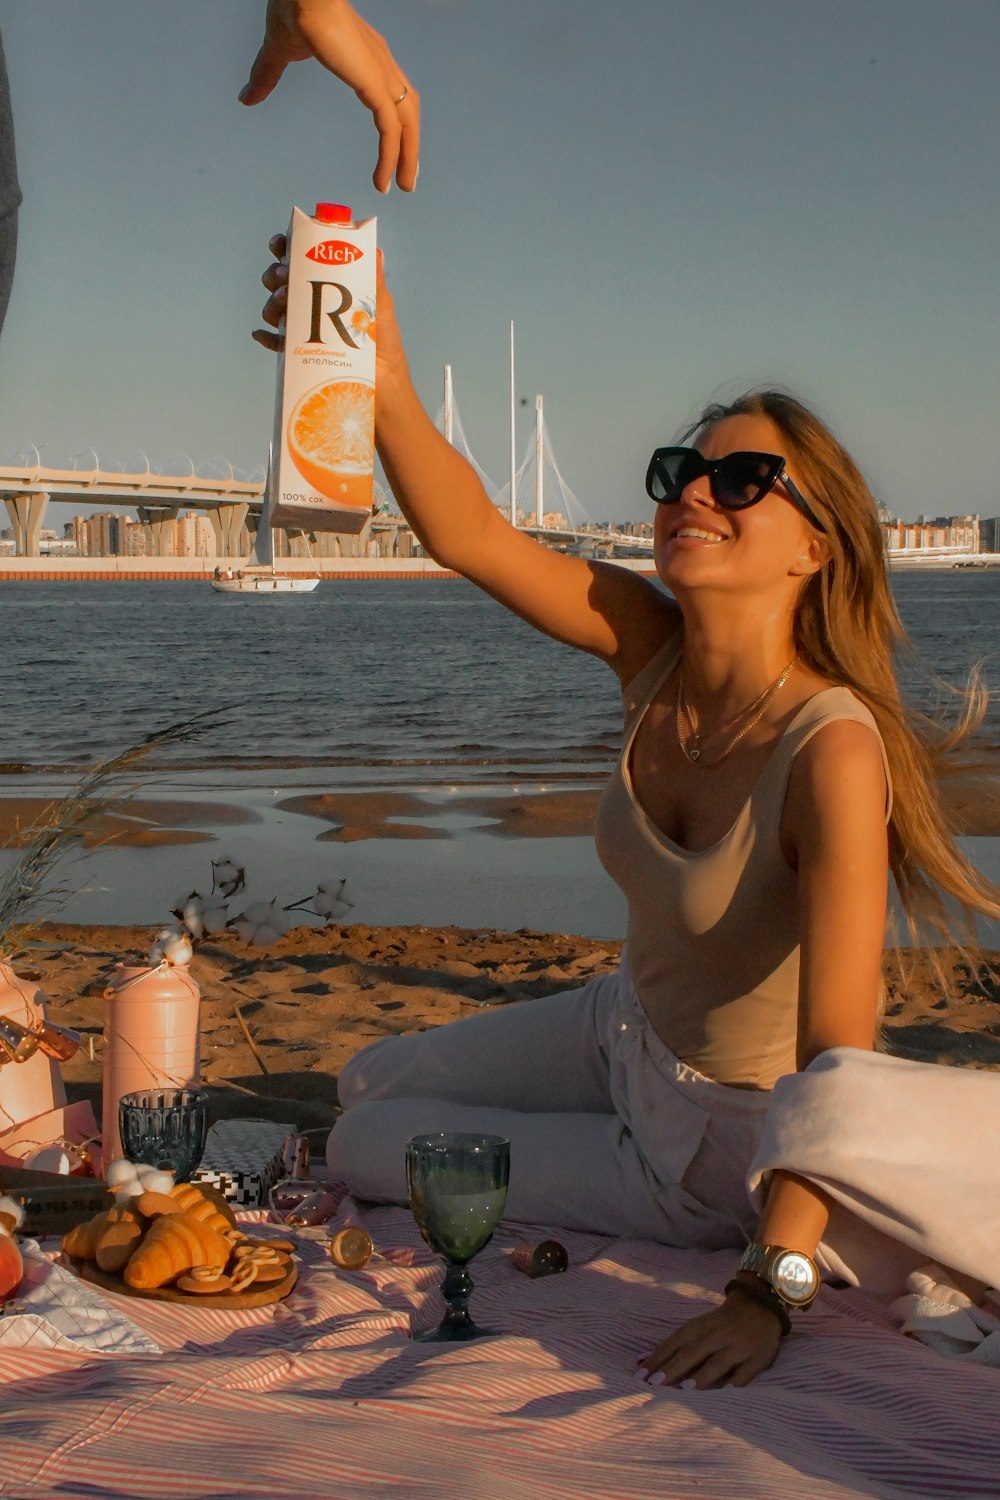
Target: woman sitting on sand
(769, 781)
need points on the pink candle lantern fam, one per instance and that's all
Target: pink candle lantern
(151, 1039)
(34, 1086)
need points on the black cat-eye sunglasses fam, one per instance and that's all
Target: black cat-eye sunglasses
(736, 481)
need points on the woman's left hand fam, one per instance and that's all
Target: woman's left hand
(728, 1346)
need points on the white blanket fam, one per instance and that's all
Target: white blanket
(936, 1312)
(908, 1152)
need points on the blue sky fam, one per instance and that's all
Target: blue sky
(673, 198)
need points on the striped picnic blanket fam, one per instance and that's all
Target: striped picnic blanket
(325, 1394)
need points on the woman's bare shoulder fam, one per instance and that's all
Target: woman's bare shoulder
(838, 773)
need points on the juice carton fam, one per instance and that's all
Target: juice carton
(324, 441)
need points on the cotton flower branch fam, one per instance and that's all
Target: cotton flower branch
(227, 877)
(259, 925)
(202, 916)
(329, 902)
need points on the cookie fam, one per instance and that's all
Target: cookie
(200, 1288)
(270, 1271)
(285, 1246)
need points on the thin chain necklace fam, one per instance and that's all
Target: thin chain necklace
(690, 742)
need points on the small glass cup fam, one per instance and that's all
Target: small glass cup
(286, 1195)
(164, 1128)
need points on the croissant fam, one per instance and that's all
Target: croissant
(174, 1244)
(205, 1203)
(117, 1243)
(83, 1240)
(154, 1204)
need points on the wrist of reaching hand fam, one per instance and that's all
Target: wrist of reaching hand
(755, 1290)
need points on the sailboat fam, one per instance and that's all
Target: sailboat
(258, 575)
(262, 580)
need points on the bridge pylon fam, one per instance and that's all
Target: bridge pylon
(157, 521)
(27, 512)
(228, 522)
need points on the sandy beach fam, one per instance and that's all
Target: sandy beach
(318, 995)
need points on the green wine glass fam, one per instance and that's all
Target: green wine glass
(458, 1188)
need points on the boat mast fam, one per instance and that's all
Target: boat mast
(539, 461)
(513, 436)
(449, 406)
(263, 546)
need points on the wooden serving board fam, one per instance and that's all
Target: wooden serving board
(234, 1301)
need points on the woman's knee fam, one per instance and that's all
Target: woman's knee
(368, 1074)
(345, 1144)
(366, 1152)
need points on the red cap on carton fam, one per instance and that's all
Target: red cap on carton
(333, 213)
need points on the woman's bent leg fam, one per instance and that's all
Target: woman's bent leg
(571, 1170)
(535, 1055)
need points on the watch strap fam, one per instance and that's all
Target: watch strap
(759, 1291)
(755, 1258)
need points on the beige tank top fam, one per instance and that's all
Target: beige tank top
(713, 941)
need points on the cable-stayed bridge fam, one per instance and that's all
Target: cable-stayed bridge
(536, 498)
(543, 502)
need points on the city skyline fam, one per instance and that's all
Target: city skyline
(698, 199)
(192, 533)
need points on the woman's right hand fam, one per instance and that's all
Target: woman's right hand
(275, 279)
(391, 369)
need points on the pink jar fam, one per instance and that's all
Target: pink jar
(33, 1087)
(151, 1039)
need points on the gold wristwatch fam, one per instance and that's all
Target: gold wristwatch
(791, 1274)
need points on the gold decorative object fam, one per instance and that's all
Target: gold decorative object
(17, 1042)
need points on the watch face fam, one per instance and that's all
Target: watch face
(794, 1277)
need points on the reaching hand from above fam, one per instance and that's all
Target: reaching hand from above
(334, 33)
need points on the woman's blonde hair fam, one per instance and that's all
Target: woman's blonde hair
(847, 629)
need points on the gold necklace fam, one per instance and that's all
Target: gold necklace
(690, 742)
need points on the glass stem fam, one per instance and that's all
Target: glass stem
(457, 1289)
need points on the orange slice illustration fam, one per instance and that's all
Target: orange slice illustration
(331, 440)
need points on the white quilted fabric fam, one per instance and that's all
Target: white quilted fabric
(53, 1309)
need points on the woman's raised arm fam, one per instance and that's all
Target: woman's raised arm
(606, 610)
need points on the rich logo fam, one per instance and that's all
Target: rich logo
(335, 253)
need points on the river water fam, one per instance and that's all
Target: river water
(429, 686)
(380, 682)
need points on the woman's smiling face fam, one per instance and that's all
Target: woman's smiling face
(699, 544)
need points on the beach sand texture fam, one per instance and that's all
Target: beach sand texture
(319, 995)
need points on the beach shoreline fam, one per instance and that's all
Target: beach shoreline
(528, 806)
(504, 855)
